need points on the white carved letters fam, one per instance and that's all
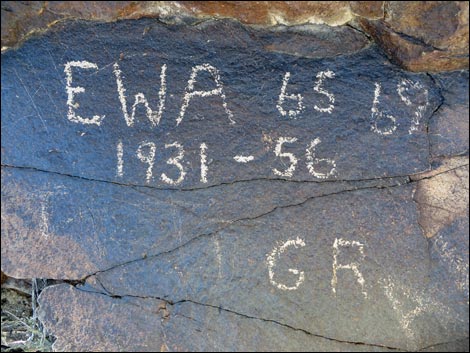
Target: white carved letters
(72, 91)
(352, 266)
(191, 93)
(271, 262)
(295, 97)
(154, 117)
(293, 160)
(378, 115)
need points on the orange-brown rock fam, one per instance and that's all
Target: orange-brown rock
(423, 36)
(419, 36)
(373, 10)
(3, 277)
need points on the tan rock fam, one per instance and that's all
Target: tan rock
(442, 195)
(274, 12)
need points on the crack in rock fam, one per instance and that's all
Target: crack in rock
(241, 220)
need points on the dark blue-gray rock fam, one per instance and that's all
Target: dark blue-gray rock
(449, 127)
(268, 207)
(35, 110)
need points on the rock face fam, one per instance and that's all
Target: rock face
(212, 186)
(448, 127)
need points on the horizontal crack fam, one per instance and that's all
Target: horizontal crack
(182, 301)
(438, 207)
(417, 177)
(274, 209)
(240, 181)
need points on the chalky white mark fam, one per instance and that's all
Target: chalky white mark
(219, 256)
(321, 76)
(405, 318)
(377, 115)
(175, 161)
(271, 263)
(44, 224)
(153, 116)
(353, 266)
(120, 159)
(147, 158)
(72, 91)
(190, 92)
(423, 303)
(293, 160)
(403, 89)
(295, 97)
(312, 161)
(243, 159)
(457, 265)
(204, 168)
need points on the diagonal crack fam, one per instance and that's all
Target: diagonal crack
(416, 177)
(247, 219)
(284, 325)
(215, 232)
(243, 315)
(250, 317)
(442, 343)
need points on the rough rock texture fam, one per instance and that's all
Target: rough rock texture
(285, 188)
(158, 325)
(448, 128)
(431, 36)
(423, 36)
(443, 195)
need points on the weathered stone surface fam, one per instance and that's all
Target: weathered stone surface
(373, 10)
(4, 277)
(420, 36)
(70, 227)
(164, 327)
(449, 126)
(236, 220)
(444, 197)
(376, 230)
(19, 19)
(274, 12)
(431, 36)
(101, 230)
(93, 322)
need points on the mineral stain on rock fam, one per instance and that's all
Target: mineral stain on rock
(213, 186)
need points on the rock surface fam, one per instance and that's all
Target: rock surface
(449, 126)
(287, 188)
